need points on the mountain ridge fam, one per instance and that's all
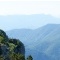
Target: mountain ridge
(46, 39)
(26, 21)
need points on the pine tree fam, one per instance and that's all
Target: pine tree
(29, 58)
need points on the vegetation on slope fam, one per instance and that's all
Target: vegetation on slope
(11, 49)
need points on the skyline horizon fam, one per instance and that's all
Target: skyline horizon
(29, 15)
(30, 7)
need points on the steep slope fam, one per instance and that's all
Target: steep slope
(10, 47)
(45, 40)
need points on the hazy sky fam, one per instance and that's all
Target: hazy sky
(24, 7)
(30, 7)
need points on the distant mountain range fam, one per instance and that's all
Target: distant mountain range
(26, 21)
(42, 43)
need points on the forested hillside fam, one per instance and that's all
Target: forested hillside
(11, 49)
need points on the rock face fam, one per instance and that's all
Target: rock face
(8, 45)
